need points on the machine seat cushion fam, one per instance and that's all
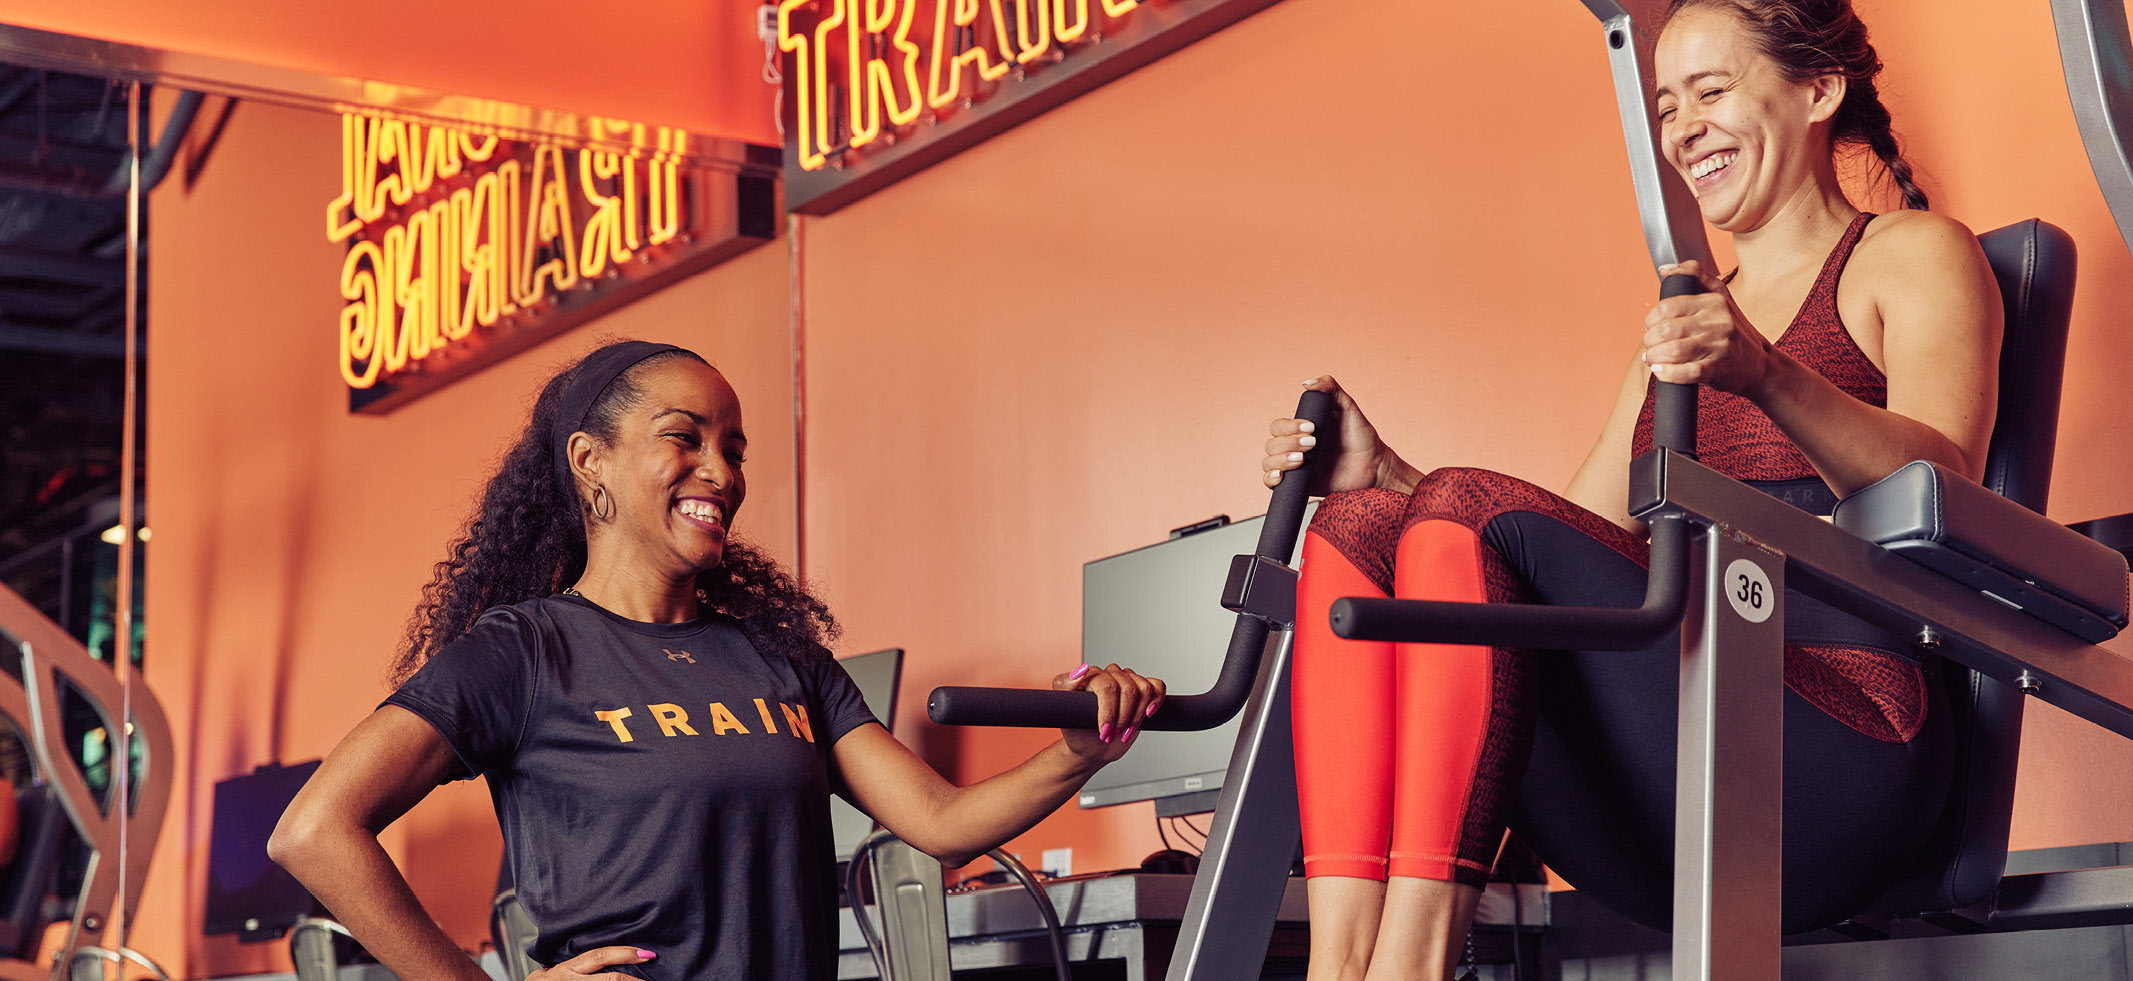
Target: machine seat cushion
(1952, 525)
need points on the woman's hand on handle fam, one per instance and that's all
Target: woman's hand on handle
(1360, 461)
(957, 824)
(1705, 339)
(1124, 699)
(593, 964)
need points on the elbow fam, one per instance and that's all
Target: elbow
(296, 839)
(1967, 455)
(944, 852)
(1974, 461)
(285, 845)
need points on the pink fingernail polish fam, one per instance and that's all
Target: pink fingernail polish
(646, 954)
(1103, 733)
(1150, 713)
(1079, 673)
(1131, 732)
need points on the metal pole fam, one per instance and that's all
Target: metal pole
(796, 321)
(1673, 227)
(66, 583)
(2097, 56)
(1729, 801)
(1244, 868)
(120, 743)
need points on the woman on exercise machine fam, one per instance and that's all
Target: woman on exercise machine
(654, 707)
(1844, 345)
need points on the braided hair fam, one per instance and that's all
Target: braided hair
(1812, 38)
(526, 539)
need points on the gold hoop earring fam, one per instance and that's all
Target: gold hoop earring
(606, 513)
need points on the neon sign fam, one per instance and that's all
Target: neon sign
(877, 90)
(464, 248)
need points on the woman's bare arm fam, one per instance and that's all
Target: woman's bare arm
(1940, 319)
(957, 824)
(951, 823)
(328, 839)
(1941, 324)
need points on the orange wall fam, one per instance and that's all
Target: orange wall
(696, 64)
(1049, 349)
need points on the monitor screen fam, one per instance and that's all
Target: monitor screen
(1158, 610)
(876, 675)
(247, 894)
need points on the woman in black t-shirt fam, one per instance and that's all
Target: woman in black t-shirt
(654, 708)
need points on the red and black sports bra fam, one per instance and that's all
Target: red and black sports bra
(1735, 438)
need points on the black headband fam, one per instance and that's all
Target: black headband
(593, 375)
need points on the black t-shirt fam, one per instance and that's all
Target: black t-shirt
(659, 785)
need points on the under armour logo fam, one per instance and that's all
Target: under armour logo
(678, 656)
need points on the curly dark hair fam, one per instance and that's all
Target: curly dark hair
(1812, 38)
(526, 539)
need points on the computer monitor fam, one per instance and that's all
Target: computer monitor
(1158, 611)
(876, 675)
(247, 894)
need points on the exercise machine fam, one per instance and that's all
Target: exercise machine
(2016, 602)
(52, 663)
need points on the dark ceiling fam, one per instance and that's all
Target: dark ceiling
(63, 164)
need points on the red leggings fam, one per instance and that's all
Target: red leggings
(1428, 802)
(1411, 758)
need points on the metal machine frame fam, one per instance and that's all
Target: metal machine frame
(2097, 55)
(49, 656)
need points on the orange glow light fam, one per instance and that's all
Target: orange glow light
(812, 155)
(549, 228)
(873, 82)
(879, 72)
(1025, 50)
(821, 75)
(449, 232)
(966, 16)
(665, 204)
(605, 238)
(1065, 32)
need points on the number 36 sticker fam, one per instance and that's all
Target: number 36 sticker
(1748, 588)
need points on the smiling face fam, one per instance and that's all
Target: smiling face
(673, 469)
(1744, 137)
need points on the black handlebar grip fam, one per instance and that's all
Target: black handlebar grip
(1559, 627)
(1050, 709)
(1036, 708)
(1680, 284)
(1534, 627)
(1674, 405)
(1284, 515)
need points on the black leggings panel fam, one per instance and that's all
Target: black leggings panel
(1597, 799)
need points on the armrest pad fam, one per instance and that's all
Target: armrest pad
(2002, 549)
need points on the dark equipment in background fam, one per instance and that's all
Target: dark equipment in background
(877, 675)
(247, 894)
(1149, 608)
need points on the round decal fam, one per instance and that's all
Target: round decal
(1748, 589)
